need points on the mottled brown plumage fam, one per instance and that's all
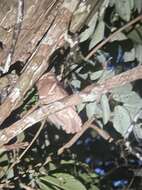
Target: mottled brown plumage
(50, 90)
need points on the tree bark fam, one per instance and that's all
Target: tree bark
(43, 28)
(88, 94)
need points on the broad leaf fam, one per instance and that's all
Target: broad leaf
(138, 131)
(3, 164)
(91, 109)
(76, 83)
(121, 120)
(130, 99)
(136, 34)
(93, 187)
(138, 51)
(52, 181)
(96, 75)
(63, 181)
(123, 8)
(133, 103)
(129, 56)
(112, 2)
(10, 173)
(83, 76)
(120, 36)
(44, 186)
(98, 34)
(106, 75)
(91, 26)
(80, 107)
(69, 182)
(138, 5)
(121, 92)
(105, 108)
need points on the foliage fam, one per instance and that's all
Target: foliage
(66, 181)
(116, 109)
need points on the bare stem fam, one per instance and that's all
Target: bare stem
(76, 136)
(95, 49)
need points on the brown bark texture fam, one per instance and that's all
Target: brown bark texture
(42, 30)
(84, 96)
(44, 25)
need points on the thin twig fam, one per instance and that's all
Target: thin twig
(100, 45)
(89, 93)
(76, 136)
(95, 49)
(28, 147)
(104, 134)
(85, 126)
(131, 182)
(132, 125)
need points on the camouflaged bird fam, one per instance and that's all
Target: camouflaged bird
(50, 90)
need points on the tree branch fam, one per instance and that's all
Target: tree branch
(84, 96)
(76, 136)
(100, 45)
(39, 61)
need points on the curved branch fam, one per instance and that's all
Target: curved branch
(84, 96)
(38, 63)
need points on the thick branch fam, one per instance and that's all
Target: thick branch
(85, 95)
(58, 14)
(39, 62)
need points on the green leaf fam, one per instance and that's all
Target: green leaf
(138, 51)
(129, 56)
(10, 173)
(136, 34)
(69, 182)
(3, 164)
(79, 16)
(76, 83)
(121, 92)
(101, 57)
(80, 107)
(91, 109)
(106, 75)
(68, 161)
(105, 108)
(20, 137)
(133, 103)
(119, 37)
(112, 2)
(91, 26)
(96, 75)
(83, 76)
(131, 4)
(138, 5)
(123, 8)
(85, 177)
(93, 175)
(52, 181)
(63, 181)
(138, 131)
(121, 120)
(43, 186)
(98, 34)
(91, 97)
(52, 166)
(130, 99)
(93, 187)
